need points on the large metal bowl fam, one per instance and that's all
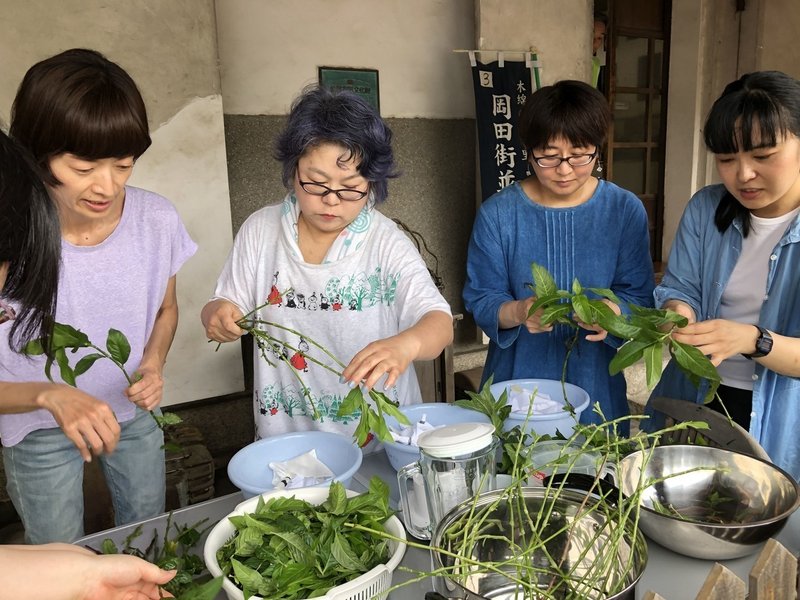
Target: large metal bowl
(552, 539)
(708, 502)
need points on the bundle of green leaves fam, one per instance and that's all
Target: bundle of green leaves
(645, 331)
(67, 338)
(289, 549)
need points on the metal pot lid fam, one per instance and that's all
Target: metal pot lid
(456, 440)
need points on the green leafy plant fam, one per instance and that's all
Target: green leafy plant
(498, 410)
(645, 331)
(514, 460)
(66, 338)
(191, 581)
(371, 415)
(289, 549)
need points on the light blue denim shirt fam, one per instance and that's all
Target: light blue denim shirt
(700, 264)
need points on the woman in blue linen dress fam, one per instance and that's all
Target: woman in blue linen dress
(574, 225)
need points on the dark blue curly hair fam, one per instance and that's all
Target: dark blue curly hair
(321, 116)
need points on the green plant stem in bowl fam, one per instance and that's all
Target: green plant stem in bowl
(577, 544)
(291, 549)
(191, 581)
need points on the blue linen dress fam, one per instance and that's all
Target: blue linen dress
(604, 243)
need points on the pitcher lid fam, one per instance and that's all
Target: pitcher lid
(455, 440)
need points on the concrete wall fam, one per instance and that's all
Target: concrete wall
(560, 31)
(169, 48)
(270, 50)
(779, 26)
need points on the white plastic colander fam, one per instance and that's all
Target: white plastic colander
(365, 587)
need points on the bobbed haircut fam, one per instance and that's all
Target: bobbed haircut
(568, 109)
(755, 111)
(321, 116)
(79, 102)
(30, 242)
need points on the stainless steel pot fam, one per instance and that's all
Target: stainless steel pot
(559, 542)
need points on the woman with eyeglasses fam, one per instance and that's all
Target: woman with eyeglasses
(577, 227)
(327, 265)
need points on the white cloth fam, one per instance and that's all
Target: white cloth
(374, 292)
(305, 470)
(520, 399)
(408, 435)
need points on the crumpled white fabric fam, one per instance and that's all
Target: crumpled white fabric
(520, 400)
(305, 470)
(408, 434)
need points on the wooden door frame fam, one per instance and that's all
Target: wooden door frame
(653, 143)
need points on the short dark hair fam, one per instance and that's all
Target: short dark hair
(569, 109)
(755, 111)
(320, 116)
(79, 102)
(30, 242)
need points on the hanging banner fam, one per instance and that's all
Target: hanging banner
(501, 89)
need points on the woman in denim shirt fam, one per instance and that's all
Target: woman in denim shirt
(734, 267)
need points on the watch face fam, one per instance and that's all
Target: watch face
(764, 343)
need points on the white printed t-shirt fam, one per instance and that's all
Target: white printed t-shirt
(374, 291)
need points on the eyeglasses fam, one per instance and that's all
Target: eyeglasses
(345, 194)
(577, 160)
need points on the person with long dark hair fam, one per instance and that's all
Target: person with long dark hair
(734, 267)
(30, 251)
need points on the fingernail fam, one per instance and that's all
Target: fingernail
(342, 379)
(351, 384)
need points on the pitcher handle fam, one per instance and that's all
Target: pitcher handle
(412, 474)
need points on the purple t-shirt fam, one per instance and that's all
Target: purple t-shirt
(120, 284)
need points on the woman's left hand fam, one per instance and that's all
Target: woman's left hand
(718, 338)
(74, 573)
(147, 392)
(390, 356)
(599, 333)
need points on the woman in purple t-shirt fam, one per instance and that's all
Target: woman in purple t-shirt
(84, 121)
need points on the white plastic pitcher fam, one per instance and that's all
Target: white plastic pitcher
(456, 463)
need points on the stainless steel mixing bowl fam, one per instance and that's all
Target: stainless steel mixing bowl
(560, 541)
(707, 502)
